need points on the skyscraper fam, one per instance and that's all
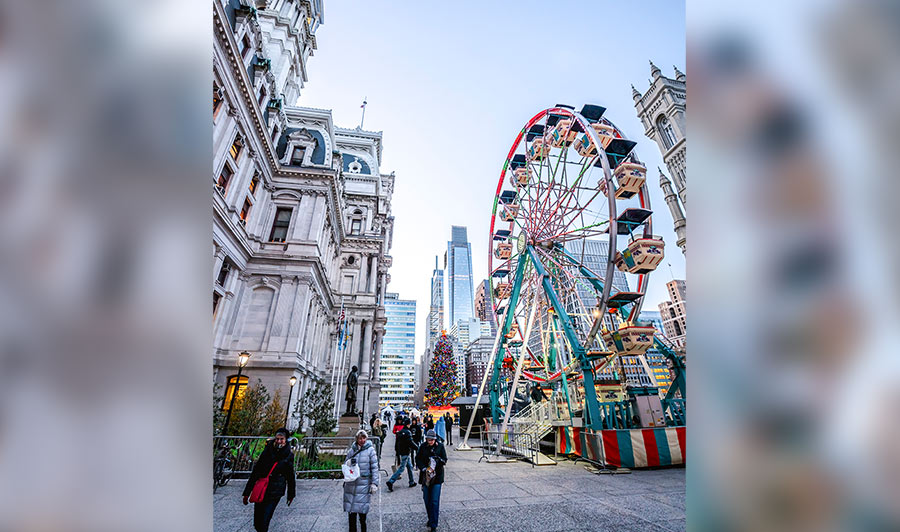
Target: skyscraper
(398, 352)
(484, 311)
(656, 360)
(433, 327)
(458, 263)
(594, 255)
(435, 322)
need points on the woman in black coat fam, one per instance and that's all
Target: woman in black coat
(277, 458)
(431, 454)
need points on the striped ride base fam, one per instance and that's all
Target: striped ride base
(633, 448)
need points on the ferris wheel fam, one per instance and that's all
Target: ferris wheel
(570, 232)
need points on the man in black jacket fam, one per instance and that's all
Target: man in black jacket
(431, 458)
(448, 424)
(277, 462)
(417, 432)
(403, 446)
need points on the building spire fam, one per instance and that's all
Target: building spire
(634, 93)
(655, 71)
(679, 75)
(663, 180)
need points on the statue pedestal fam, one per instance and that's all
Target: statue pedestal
(348, 425)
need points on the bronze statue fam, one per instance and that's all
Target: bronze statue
(350, 395)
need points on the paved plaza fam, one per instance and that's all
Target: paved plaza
(477, 497)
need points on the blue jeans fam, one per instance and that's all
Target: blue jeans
(404, 463)
(432, 496)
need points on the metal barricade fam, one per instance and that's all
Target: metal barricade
(510, 444)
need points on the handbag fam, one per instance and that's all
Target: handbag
(351, 470)
(429, 473)
(259, 489)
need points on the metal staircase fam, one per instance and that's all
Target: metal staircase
(535, 421)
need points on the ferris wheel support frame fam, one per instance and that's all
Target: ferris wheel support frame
(591, 406)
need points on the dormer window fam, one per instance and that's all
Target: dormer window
(356, 221)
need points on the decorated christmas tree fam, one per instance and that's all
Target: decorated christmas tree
(442, 386)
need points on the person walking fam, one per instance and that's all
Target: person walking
(429, 422)
(448, 423)
(417, 436)
(277, 463)
(357, 493)
(378, 431)
(440, 429)
(403, 446)
(430, 461)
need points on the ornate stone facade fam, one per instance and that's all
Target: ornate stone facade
(661, 110)
(298, 229)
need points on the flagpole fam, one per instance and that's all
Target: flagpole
(334, 357)
(363, 119)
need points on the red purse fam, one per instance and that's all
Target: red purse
(259, 489)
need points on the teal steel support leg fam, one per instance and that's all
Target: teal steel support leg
(678, 367)
(496, 411)
(592, 408)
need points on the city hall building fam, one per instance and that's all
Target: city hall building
(302, 220)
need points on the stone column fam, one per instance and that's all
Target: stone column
(379, 336)
(373, 275)
(366, 362)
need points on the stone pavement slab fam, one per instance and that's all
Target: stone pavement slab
(503, 497)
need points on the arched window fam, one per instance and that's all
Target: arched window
(229, 391)
(665, 131)
(356, 222)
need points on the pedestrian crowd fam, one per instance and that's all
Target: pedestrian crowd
(418, 444)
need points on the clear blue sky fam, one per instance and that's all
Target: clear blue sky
(451, 83)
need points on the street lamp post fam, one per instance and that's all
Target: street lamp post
(290, 394)
(243, 358)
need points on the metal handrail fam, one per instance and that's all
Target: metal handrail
(312, 455)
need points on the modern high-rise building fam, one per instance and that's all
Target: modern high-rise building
(464, 332)
(398, 352)
(661, 110)
(301, 214)
(657, 361)
(434, 325)
(458, 263)
(673, 313)
(484, 310)
(435, 322)
(477, 354)
(594, 254)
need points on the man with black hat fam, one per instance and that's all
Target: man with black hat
(430, 462)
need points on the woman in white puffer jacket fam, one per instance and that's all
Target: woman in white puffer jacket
(358, 492)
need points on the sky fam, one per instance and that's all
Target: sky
(450, 84)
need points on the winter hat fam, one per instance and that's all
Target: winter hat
(284, 431)
(361, 432)
(431, 435)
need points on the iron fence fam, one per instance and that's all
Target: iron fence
(314, 457)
